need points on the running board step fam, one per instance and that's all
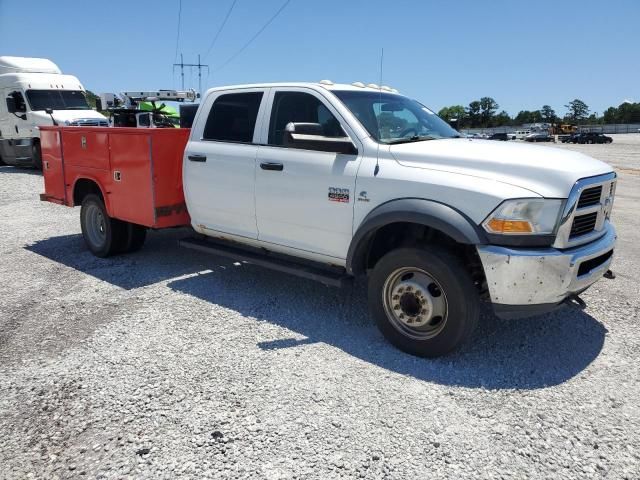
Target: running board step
(332, 276)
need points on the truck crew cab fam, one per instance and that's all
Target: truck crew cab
(335, 181)
(34, 92)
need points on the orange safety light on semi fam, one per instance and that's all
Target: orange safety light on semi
(499, 225)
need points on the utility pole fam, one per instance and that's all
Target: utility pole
(199, 65)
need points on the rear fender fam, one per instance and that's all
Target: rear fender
(87, 177)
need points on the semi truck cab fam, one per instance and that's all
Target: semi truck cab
(33, 93)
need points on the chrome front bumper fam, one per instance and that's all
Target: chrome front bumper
(519, 279)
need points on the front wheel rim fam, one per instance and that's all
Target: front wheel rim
(415, 303)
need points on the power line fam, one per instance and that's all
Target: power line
(191, 65)
(233, 57)
(175, 57)
(215, 39)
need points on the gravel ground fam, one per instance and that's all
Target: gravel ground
(171, 364)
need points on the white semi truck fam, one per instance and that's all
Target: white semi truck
(35, 93)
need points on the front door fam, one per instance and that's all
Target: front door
(14, 129)
(219, 169)
(304, 198)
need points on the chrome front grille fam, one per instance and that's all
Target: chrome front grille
(586, 212)
(89, 122)
(583, 224)
(590, 196)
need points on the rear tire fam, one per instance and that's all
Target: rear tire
(423, 300)
(135, 235)
(103, 235)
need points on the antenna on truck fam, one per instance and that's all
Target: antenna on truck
(377, 169)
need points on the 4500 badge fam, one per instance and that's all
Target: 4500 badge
(339, 195)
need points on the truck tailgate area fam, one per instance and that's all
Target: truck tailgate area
(138, 170)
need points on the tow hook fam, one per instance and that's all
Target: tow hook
(575, 301)
(609, 274)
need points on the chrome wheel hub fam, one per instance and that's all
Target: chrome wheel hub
(415, 303)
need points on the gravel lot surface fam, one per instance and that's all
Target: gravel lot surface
(171, 364)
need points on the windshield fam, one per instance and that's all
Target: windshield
(57, 100)
(393, 118)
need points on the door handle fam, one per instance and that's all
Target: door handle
(197, 158)
(272, 166)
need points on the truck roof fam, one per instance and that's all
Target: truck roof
(27, 65)
(324, 84)
(41, 81)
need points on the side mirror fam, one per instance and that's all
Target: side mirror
(310, 136)
(11, 105)
(49, 111)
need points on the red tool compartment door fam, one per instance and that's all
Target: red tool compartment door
(131, 189)
(86, 147)
(168, 145)
(52, 168)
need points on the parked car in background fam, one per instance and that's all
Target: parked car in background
(499, 136)
(520, 134)
(593, 137)
(569, 138)
(539, 137)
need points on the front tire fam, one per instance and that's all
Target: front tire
(36, 155)
(423, 300)
(102, 234)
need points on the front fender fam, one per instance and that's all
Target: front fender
(430, 213)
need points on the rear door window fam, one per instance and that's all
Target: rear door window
(233, 117)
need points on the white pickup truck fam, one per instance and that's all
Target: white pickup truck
(334, 181)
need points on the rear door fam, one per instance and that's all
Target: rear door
(52, 165)
(219, 163)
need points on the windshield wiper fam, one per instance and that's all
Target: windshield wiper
(77, 108)
(415, 138)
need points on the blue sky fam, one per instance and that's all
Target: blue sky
(523, 54)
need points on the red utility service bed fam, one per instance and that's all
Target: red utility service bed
(138, 170)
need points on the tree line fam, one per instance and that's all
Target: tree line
(484, 113)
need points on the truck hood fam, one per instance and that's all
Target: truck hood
(549, 172)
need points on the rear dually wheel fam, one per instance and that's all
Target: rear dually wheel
(102, 234)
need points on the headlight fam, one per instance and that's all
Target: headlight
(524, 216)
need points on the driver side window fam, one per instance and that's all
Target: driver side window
(300, 107)
(18, 99)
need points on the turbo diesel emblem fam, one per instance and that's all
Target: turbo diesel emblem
(339, 195)
(362, 197)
